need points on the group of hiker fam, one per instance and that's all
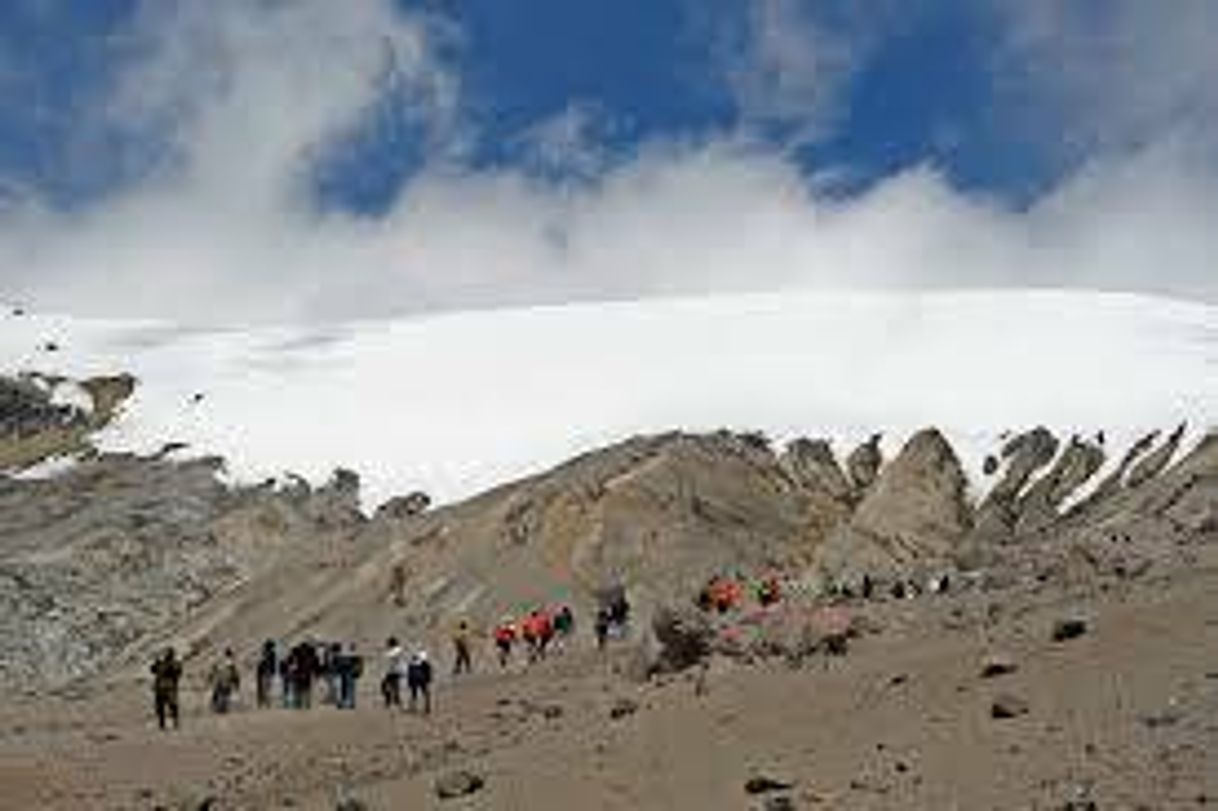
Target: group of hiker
(538, 630)
(334, 669)
(721, 593)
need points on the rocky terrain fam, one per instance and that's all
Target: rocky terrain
(120, 554)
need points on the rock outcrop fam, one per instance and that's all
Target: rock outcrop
(917, 512)
(812, 464)
(864, 462)
(35, 424)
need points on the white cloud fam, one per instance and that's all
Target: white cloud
(228, 231)
(792, 71)
(1110, 75)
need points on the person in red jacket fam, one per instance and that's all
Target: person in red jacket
(505, 638)
(545, 630)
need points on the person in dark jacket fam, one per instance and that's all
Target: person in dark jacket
(268, 666)
(418, 681)
(349, 666)
(305, 670)
(166, 673)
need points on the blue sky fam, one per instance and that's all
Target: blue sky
(647, 68)
(387, 111)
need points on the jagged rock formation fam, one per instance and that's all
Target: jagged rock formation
(1153, 464)
(863, 463)
(811, 463)
(1038, 507)
(916, 512)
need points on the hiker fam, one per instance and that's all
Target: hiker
(505, 638)
(461, 640)
(395, 668)
(328, 669)
(268, 665)
(564, 626)
(769, 591)
(225, 680)
(166, 672)
(418, 681)
(545, 631)
(619, 609)
(538, 630)
(305, 668)
(601, 627)
(348, 667)
(868, 587)
(287, 680)
(528, 634)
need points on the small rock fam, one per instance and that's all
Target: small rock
(458, 784)
(552, 711)
(778, 802)
(1068, 629)
(1008, 706)
(1161, 719)
(997, 665)
(761, 784)
(623, 707)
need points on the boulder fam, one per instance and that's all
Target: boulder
(1070, 628)
(459, 783)
(1006, 705)
(684, 636)
(762, 783)
(996, 665)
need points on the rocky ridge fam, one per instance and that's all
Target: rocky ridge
(121, 553)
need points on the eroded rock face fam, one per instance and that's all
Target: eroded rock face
(863, 464)
(1155, 462)
(120, 547)
(811, 463)
(1038, 508)
(400, 508)
(917, 511)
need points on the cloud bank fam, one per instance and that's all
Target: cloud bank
(249, 97)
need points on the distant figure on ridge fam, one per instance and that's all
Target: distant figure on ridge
(166, 673)
(461, 649)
